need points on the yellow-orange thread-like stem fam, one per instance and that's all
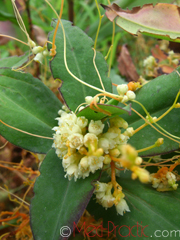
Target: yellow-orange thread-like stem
(53, 50)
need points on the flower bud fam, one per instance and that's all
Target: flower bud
(131, 95)
(159, 142)
(37, 49)
(122, 89)
(31, 43)
(88, 99)
(107, 159)
(125, 99)
(114, 152)
(118, 122)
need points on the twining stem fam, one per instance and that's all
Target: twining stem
(152, 125)
(166, 131)
(112, 42)
(99, 26)
(53, 51)
(65, 60)
(164, 114)
(13, 38)
(19, 20)
(24, 196)
(147, 148)
(19, 130)
(156, 120)
(113, 173)
(102, 85)
(99, 109)
(111, 55)
(141, 127)
(15, 196)
(1, 147)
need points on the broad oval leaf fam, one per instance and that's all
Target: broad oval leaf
(113, 110)
(58, 202)
(160, 21)
(27, 104)
(14, 61)
(79, 55)
(151, 212)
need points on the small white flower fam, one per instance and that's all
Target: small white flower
(76, 140)
(72, 171)
(68, 117)
(39, 58)
(122, 207)
(101, 187)
(95, 163)
(84, 162)
(96, 127)
(111, 139)
(82, 122)
(104, 144)
(90, 138)
(123, 139)
(149, 62)
(107, 201)
(69, 160)
(129, 132)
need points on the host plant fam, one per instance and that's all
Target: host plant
(98, 141)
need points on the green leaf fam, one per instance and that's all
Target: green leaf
(58, 202)
(4, 16)
(113, 110)
(14, 61)
(27, 104)
(154, 211)
(157, 96)
(160, 21)
(79, 56)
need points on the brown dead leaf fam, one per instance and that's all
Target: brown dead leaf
(158, 20)
(158, 53)
(126, 65)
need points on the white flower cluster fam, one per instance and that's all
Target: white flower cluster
(83, 147)
(40, 52)
(127, 95)
(164, 182)
(107, 200)
(78, 147)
